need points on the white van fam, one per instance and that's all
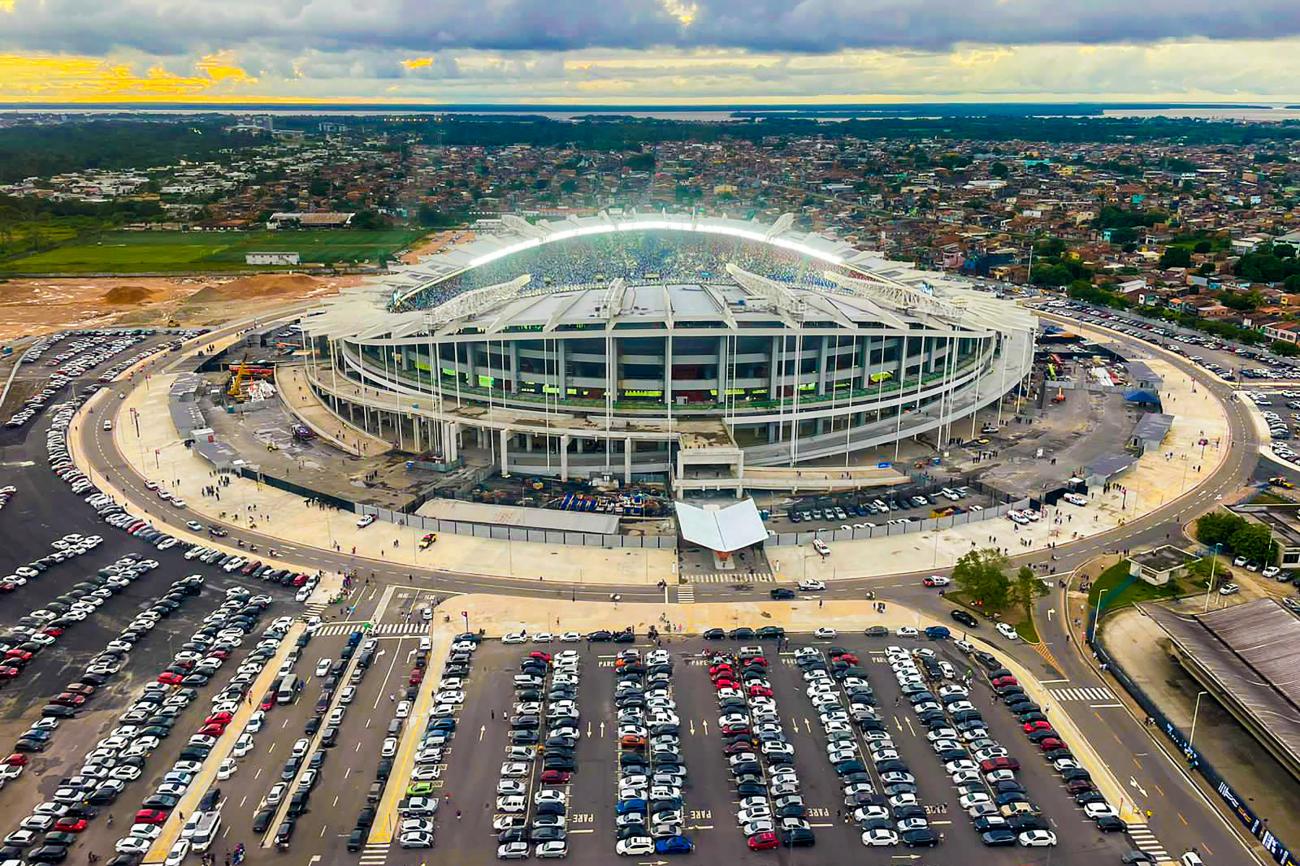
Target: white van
(108, 425)
(206, 832)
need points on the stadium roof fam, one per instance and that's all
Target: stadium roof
(845, 287)
(722, 529)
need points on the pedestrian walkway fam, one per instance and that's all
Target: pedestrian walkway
(731, 577)
(686, 594)
(1145, 840)
(1042, 650)
(393, 628)
(1099, 693)
(315, 608)
(375, 854)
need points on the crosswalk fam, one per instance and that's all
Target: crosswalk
(686, 594)
(383, 628)
(315, 608)
(731, 577)
(1145, 840)
(1097, 693)
(374, 854)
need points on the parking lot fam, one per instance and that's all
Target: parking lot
(469, 819)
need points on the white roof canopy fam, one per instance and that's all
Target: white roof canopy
(722, 529)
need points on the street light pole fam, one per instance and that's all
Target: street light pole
(1196, 711)
(1209, 587)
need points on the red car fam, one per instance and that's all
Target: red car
(300, 580)
(16, 760)
(1051, 743)
(213, 730)
(720, 668)
(538, 654)
(19, 655)
(725, 684)
(168, 678)
(757, 660)
(218, 719)
(80, 689)
(6, 586)
(220, 653)
(760, 692)
(150, 816)
(68, 699)
(728, 730)
(1005, 681)
(69, 824)
(850, 658)
(416, 677)
(556, 777)
(268, 701)
(999, 764)
(1039, 725)
(8, 672)
(737, 748)
(764, 841)
(52, 631)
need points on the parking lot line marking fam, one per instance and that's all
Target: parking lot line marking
(243, 801)
(257, 774)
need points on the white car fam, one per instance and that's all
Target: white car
(132, 845)
(1099, 810)
(179, 851)
(636, 846)
(513, 851)
(825, 633)
(570, 637)
(1007, 631)
(1037, 839)
(1229, 589)
(812, 585)
(403, 709)
(906, 631)
(365, 520)
(227, 769)
(416, 839)
(879, 837)
(1271, 571)
(322, 667)
(937, 580)
(514, 637)
(551, 850)
(511, 804)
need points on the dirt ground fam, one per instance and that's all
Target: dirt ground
(29, 308)
(435, 243)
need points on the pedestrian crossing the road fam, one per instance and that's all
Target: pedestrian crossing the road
(731, 577)
(1145, 840)
(383, 628)
(1099, 693)
(686, 594)
(375, 854)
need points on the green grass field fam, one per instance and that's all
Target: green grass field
(149, 252)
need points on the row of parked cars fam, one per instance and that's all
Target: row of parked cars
(652, 773)
(80, 356)
(119, 758)
(546, 694)
(43, 627)
(62, 549)
(1039, 731)
(770, 809)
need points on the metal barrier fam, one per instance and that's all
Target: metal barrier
(783, 539)
(1257, 826)
(305, 492)
(521, 533)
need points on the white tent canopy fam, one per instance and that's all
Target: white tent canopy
(721, 529)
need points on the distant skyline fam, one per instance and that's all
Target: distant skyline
(648, 52)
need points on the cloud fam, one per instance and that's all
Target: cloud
(809, 26)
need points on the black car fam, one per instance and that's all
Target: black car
(969, 621)
(262, 820)
(742, 633)
(782, 593)
(165, 802)
(923, 838)
(800, 837)
(1111, 824)
(714, 634)
(356, 839)
(600, 636)
(998, 837)
(48, 854)
(366, 817)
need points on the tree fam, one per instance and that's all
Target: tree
(1026, 587)
(1252, 541)
(1292, 283)
(1218, 527)
(1176, 257)
(979, 574)
(999, 169)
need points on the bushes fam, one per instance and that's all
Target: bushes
(1236, 535)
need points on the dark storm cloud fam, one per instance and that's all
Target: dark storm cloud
(812, 26)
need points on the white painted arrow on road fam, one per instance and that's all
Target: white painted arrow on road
(1050, 612)
(705, 722)
(482, 729)
(1134, 783)
(602, 729)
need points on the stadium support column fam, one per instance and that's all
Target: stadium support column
(505, 452)
(627, 461)
(564, 457)
(822, 360)
(773, 383)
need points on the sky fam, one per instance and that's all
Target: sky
(648, 52)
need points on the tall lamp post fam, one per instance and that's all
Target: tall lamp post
(1209, 587)
(1196, 711)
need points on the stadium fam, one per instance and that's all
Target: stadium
(722, 353)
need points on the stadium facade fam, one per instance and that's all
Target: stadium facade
(726, 353)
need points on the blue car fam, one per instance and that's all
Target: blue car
(674, 845)
(938, 632)
(636, 804)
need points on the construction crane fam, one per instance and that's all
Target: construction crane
(235, 391)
